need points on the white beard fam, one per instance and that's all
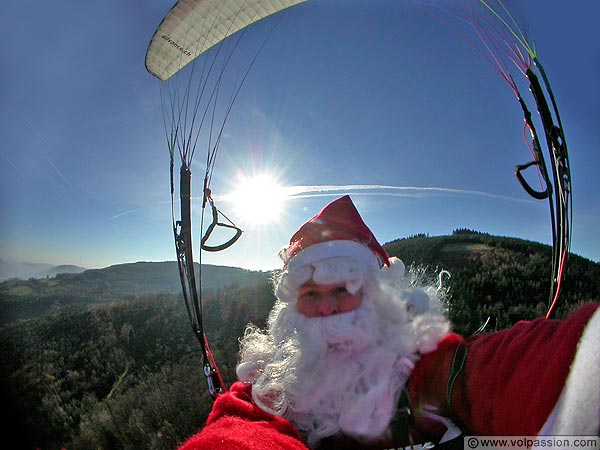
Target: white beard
(335, 375)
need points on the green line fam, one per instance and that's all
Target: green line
(521, 39)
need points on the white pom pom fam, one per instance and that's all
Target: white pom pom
(397, 268)
(418, 301)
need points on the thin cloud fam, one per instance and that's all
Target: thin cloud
(60, 174)
(122, 214)
(46, 144)
(11, 164)
(393, 191)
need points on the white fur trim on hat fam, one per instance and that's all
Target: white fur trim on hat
(333, 249)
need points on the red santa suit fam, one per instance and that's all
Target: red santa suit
(513, 382)
(538, 377)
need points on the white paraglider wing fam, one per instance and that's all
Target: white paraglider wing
(193, 26)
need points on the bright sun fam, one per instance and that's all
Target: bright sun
(258, 200)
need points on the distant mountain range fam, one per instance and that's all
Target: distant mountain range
(487, 271)
(28, 298)
(25, 270)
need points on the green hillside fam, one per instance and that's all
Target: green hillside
(507, 279)
(25, 299)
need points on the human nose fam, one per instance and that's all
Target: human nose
(328, 306)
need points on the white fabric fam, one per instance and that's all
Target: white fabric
(577, 411)
(333, 249)
(193, 26)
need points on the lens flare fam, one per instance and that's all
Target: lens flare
(258, 200)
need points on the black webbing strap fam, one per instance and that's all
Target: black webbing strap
(400, 423)
(216, 223)
(559, 193)
(182, 230)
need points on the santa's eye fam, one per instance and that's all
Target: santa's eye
(340, 291)
(308, 294)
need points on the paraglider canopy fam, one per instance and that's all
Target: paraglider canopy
(194, 26)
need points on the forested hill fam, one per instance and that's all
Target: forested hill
(505, 278)
(24, 299)
(125, 372)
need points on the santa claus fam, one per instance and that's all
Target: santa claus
(358, 353)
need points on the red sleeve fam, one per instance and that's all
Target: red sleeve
(511, 380)
(235, 423)
(514, 377)
(427, 389)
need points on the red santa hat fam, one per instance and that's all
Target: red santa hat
(336, 231)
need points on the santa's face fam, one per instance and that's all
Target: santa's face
(324, 300)
(330, 374)
(341, 342)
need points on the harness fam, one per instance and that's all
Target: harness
(403, 418)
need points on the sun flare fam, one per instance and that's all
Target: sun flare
(258, 200)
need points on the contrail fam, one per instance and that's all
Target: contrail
(377, 189)
(60, 174)
(122, 214)
(45, 142)
(12, 164)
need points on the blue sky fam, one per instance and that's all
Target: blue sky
(345, 93)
